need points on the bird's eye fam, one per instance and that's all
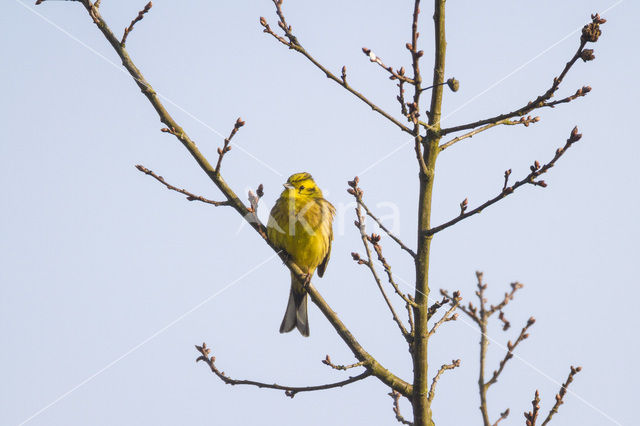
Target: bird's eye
(301, 187)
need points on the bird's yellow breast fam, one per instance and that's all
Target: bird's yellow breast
(302, 227)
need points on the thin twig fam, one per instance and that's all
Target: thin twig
(536, 171)
(510, 348)
(190, 196)
(395, 75)
(590, 33)
(507, 121)
(396, 408)
(470, 310)
(137, 19)
(532, 416)
(357, 192)
(290, 391)
(409, 308)
(400, 98)
(432, 391)
(503, 416)
(515, 286)
(227, 147)
(369, 263)
(455, 302)
(327, 361)
(374, 239)
(294, 44)
(561, 394)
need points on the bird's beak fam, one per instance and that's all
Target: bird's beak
(288, 186)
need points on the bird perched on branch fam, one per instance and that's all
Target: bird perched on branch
(300, 223)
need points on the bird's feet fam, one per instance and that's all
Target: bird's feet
(307, 281)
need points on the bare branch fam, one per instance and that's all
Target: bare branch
(470, 310)
(510, 348)
(400, 98)
(526, 121)
(366, 239)
(532, 416)
(137, 19)
(327, 361)
(377, 370)
(227, 147)
(503, 416)
(190, 196)
(357, 193)
(254, 199)
(455, 302)
(395, 75)
(515, 286)
(536, 171)
(409, 308)
(455, 363)
(590, 33)
(290, 391)
(294, 44)
(561, 394)
(396, 408)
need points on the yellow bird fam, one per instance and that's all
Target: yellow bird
(300, 223)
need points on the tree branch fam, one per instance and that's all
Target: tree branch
(590, 33)
(366, 239)
(357, 192)
(561, 394)
(503, 416)
(532, 416)
(290, 391)
(443, 368)
(294, 44)
(395, 75)
(446, 317)
(471, 311)
(396, 408)
(227, 147)
(536, 171)
(525, 121)
(510, 348)
(327, 361)
(190, 196)
(137, 19)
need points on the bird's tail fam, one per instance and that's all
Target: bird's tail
(296, 314)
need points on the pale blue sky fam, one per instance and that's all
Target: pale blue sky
(96, 260)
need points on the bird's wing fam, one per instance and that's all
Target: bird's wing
(327, 219)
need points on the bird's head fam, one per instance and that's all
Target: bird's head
(301, 185)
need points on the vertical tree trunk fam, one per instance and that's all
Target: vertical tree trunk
(421, 406)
